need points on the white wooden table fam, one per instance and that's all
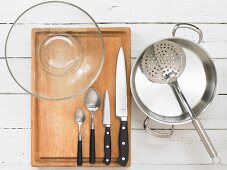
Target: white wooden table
(150, 20)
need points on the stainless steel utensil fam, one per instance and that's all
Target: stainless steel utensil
(164, 62)
(149, 99)
(121, 108)
(79, 117)
(107, 136)
(92, 102)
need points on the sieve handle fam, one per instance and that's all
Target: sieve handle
(155, 133)
(197, 124)
(206, 140)
(188, 26)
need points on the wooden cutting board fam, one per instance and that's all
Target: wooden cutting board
(54, 131)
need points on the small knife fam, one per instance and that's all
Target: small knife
(121, 108)
(106, 122)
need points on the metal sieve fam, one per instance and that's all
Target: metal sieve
(157, 101)
(164, 62)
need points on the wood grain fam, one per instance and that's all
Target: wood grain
(54, 132)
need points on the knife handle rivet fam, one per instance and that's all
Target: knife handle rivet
(123, 158)
(123, 143)
(107, 160)
(107, 146)
(107, 133)
(123, 127)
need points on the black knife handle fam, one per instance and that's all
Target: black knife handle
(92, 146)
(123, 144)
(107, 146)
(79, 153)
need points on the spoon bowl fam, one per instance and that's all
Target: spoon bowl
(79, 116)
(92, 100)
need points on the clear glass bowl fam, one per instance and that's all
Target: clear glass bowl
(54, 50)
(59, 54)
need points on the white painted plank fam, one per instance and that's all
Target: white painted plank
(27, 166)
(15, 111)
(134, 11)
(142, 35)
(8, 85)
(215, 37)
(22, 72)
(15, 114)
(24, 166)
(221, 67)
(183, 148)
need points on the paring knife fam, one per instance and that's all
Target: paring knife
(121, 108)
(106, 122)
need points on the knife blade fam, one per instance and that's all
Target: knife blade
(107, 136)
(121, 108)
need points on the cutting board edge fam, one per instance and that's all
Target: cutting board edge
(36, 161)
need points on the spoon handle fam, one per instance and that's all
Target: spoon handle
(92, 146)
(79, 153)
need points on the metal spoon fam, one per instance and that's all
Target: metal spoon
(92, 102)
(79, 118)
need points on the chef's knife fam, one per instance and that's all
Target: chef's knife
(106, 122)
(121, 108)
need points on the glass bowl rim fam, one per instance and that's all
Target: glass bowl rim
(74, 94)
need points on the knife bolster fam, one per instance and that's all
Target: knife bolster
(124, 118)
